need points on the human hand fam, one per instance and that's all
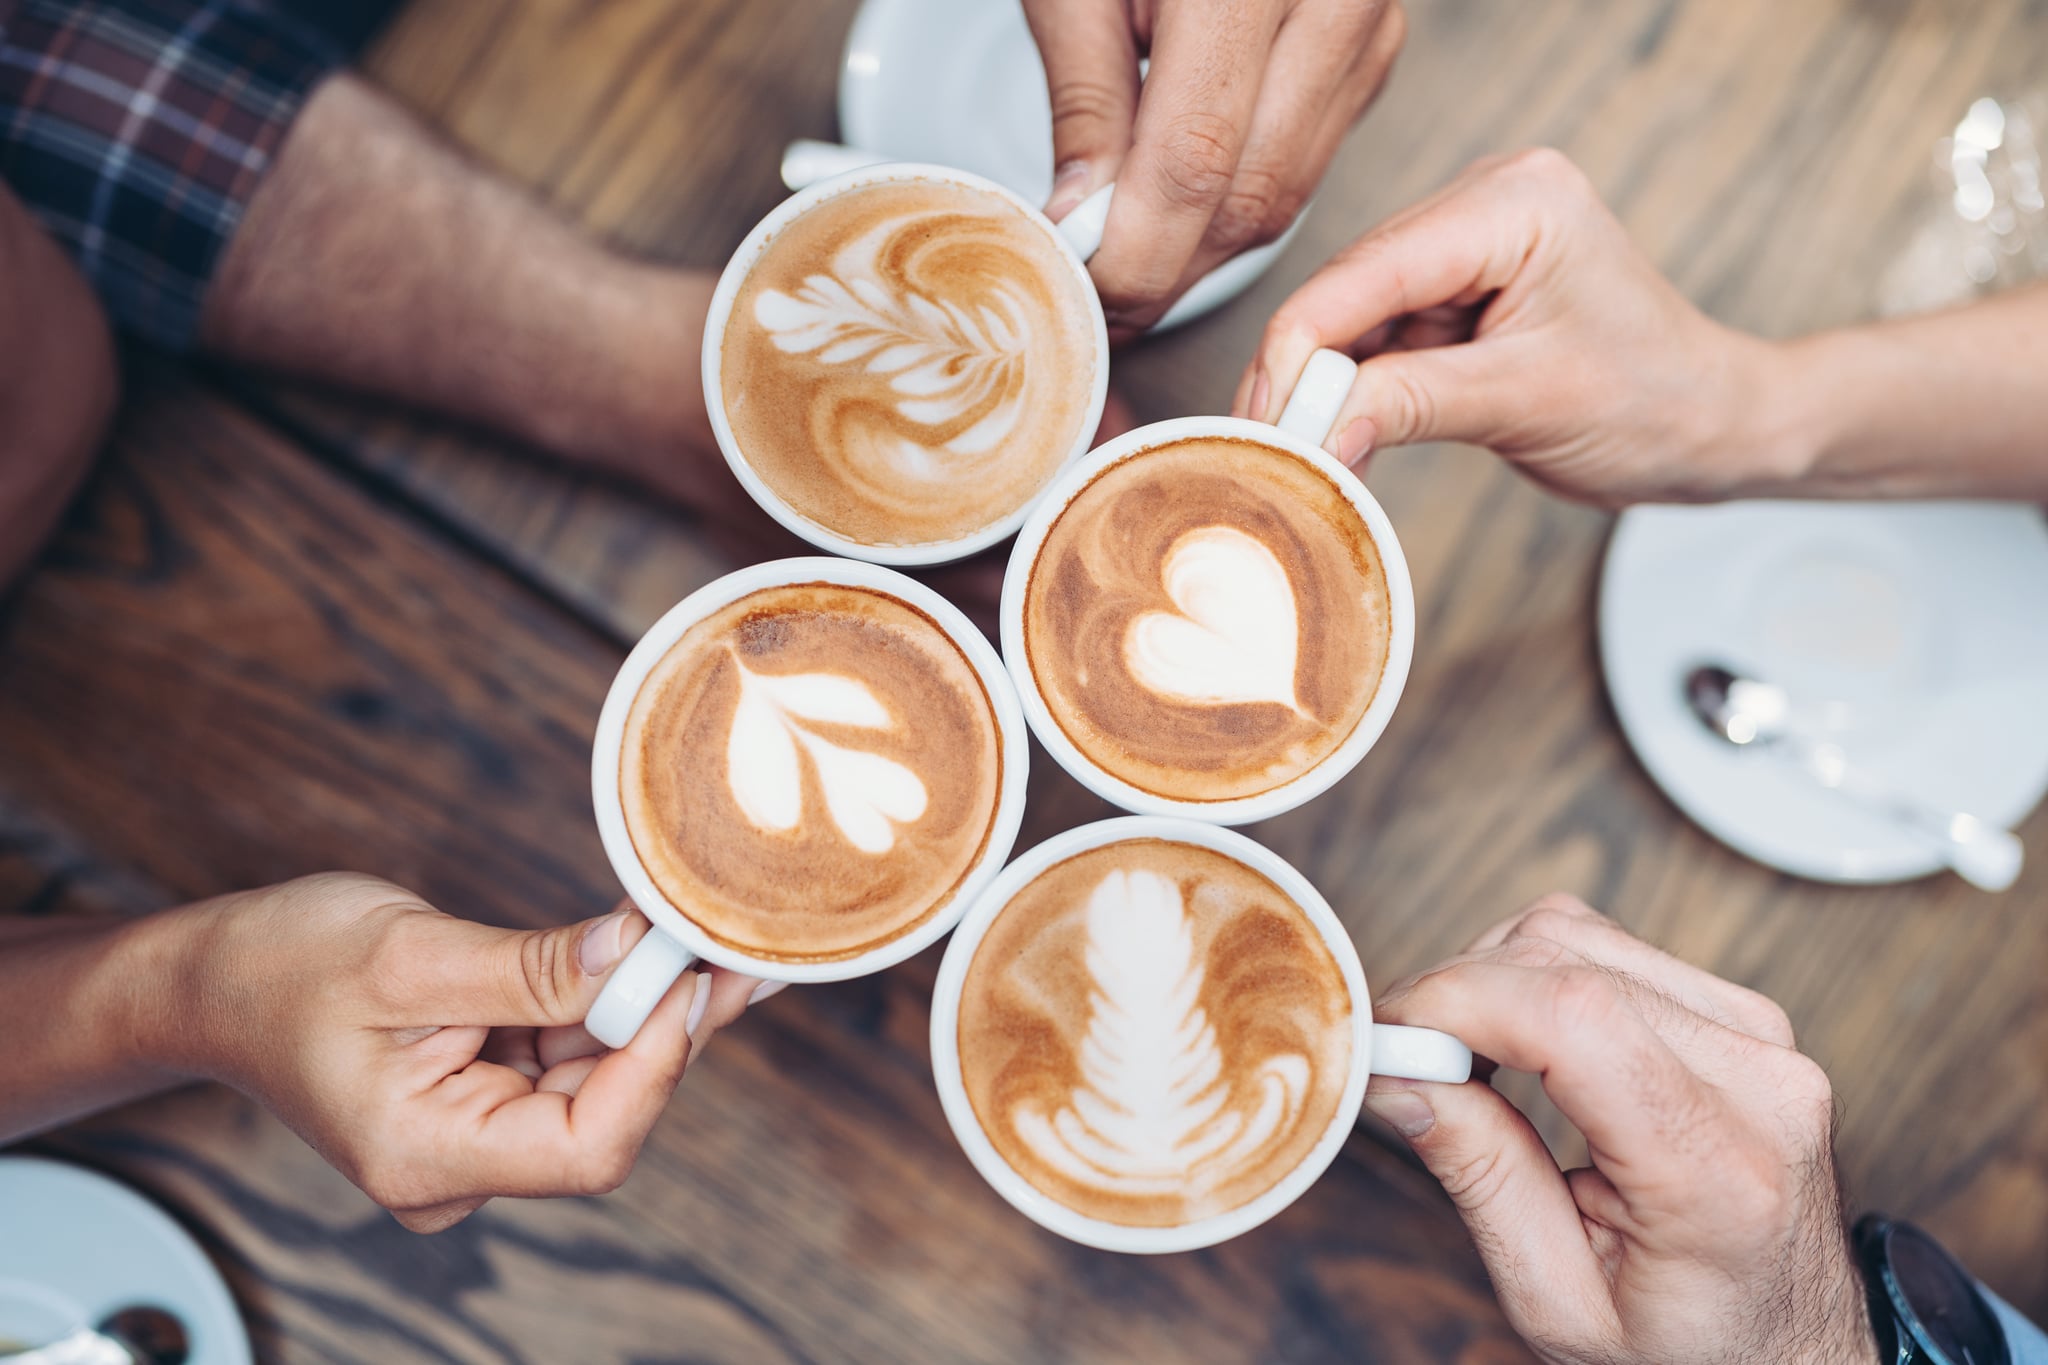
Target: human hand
(1708, 1230)
(1243, 107)
(1512, 311)
(433, 1061)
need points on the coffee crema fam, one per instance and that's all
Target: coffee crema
(1152, 1033)
(909, 362)
(1208, 619)
(811, 771)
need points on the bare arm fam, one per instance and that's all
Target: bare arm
(376, 257)
(57, 383)
(1512, 311)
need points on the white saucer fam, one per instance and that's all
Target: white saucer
(960, 83)
(1927, 622)
(77, 1246)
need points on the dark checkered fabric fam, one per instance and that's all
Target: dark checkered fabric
(136, 130)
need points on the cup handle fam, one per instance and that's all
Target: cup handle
(1419, 1054)
(1083, 226)
(636, 987)
(1318, 395)
(806, 161)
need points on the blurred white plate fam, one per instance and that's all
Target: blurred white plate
(78, 1246)
(960, 83)
(1928, 622)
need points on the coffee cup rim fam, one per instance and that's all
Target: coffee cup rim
(1298, 790)
(607, 750)
(733, 278)
(1020, 1193)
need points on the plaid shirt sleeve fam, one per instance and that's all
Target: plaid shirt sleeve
(136, 130)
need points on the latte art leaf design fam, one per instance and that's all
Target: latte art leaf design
(1236, 633)
(1154, 1113)
(866, 794)
(949, 364)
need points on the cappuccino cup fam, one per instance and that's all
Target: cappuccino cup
(899, 359)
(805, 771)
(1152, 1035)
(1211, 618)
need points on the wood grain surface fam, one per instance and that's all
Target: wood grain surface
(235, 667)
(1773, 159)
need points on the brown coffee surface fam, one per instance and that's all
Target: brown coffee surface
(909, 362)
(811, 771)
(1208, 619)
(1153, 1033)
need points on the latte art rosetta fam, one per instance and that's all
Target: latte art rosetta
(945, 366)
(908, 362)
(1152, 1033)
(1153, 1114)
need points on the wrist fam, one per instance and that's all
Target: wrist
(1780, 417)
(159, 994)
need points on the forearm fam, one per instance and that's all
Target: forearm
(86, 1010)
(376, 257)
(1949, 405)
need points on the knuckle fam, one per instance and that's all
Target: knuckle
(1583, 1000)
(1807, 1091)
(1555, 916)
(1551, 172)
(1474, 1180)
(1080, 106)
(1198, 159)
(1534, 950)
(605, 1169)
(540, 964)
(1412, 404)
(1767, 1018)
(1257, 208)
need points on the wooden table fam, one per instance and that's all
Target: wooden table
(286, 631)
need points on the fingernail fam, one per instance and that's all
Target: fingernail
(1069, 187)
(604, 943)
(764, 990)
(1354, 440)
(1405, 1111)
(699, 1002)
(1261, 391)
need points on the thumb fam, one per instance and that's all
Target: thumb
(1509, 1191)
(1091, 78)
(1466, 392)
(475, 974)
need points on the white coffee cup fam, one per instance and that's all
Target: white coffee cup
(1376, 1049)
(1077, 236)
(1306, 422)
(675, 941)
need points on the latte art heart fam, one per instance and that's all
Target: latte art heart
(866, 794)
(1207, 619)
(1234, 634)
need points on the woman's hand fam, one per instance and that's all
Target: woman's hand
(1512, 311)
(1708, 1230)
(434, 1061)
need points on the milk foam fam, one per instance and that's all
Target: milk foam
(866, 794)
(1153, 1113)
(1235, 635)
